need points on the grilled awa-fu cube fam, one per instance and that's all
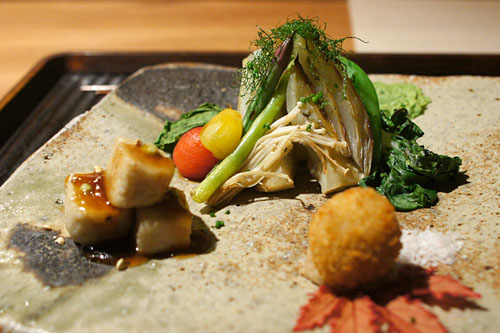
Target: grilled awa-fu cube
(165, 226)
(138, 174)
(90, 217)
(99, 206)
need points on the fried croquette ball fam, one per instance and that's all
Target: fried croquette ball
(354, 238)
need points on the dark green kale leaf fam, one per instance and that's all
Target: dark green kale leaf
(419, 164)
(404, 195)
(172, 131)
(408, 173)
(401, 125)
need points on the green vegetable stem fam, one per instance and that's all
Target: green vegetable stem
(266, 89)
(366, 91)
(232, 163)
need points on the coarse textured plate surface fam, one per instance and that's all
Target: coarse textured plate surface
(250, 280)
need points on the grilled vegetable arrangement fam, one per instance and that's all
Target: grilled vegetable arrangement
(299, 88)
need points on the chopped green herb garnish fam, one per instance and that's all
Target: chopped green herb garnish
(267, 126)
(219, 224)
(308, 128)
(212, 214)
(256, 70)
(228, 212)
(317, 99)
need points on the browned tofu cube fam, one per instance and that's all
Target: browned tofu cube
(137, 174)
(163, 227)
(90, 218)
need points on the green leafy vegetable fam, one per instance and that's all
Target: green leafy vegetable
(405, 196)
(394, 96)
(400, 124)
(408, 173)
(172, 131)
(219, 224)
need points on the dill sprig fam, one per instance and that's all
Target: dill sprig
(256, 69)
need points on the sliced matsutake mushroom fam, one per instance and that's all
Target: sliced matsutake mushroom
(343, 107)
(272, 148)
(333, 172)
(342, 119)
(285, 167)
(298, 87)
(335, 169)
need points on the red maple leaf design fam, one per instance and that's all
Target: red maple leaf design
(439, 286)
(320, 307)
(408, 315)
(357, 315)
(402, 312)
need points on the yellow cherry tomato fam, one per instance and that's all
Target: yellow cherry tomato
(222, 134)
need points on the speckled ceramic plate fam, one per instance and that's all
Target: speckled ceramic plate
(248, 280)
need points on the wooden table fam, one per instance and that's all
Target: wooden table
(32, 30)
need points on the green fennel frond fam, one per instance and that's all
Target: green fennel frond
(256, 69)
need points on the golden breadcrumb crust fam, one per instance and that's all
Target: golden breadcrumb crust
(354, 238)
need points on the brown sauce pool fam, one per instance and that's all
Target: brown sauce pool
(89, 192)
(202, 241)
